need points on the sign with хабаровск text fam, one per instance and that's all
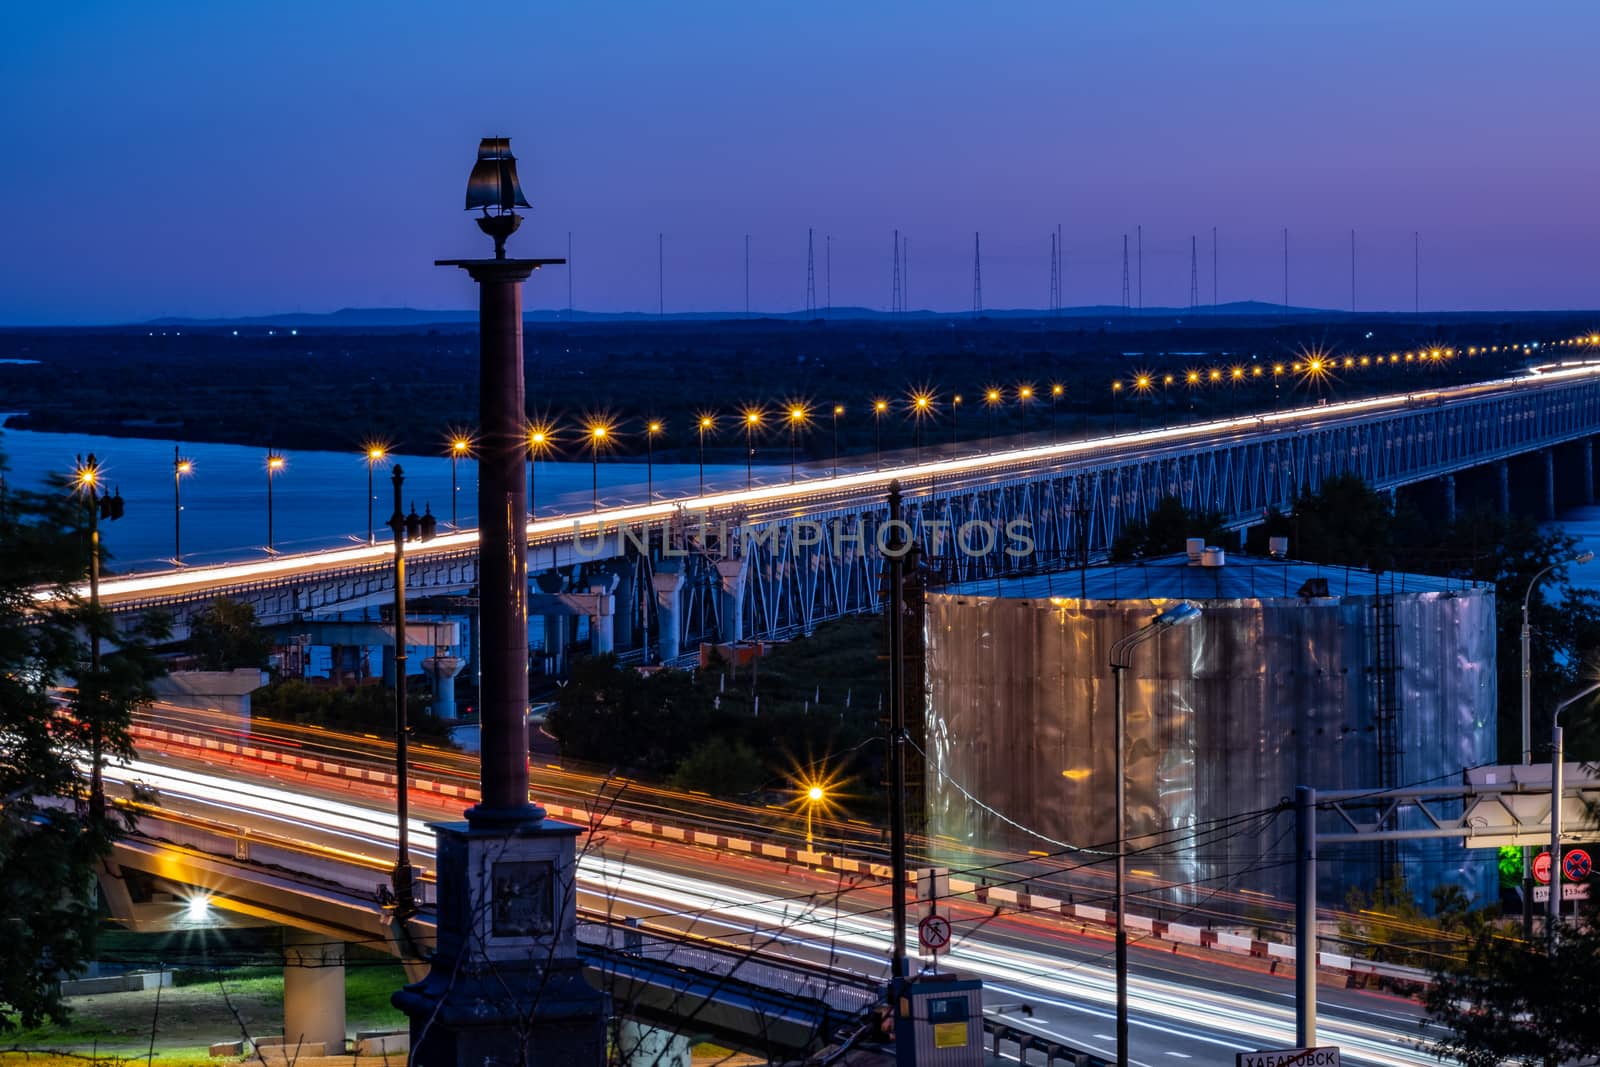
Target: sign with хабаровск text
(1326, 1056)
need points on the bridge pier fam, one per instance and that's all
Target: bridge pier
(730, 621)
(313, 991)
(623, 606)
(642, 1045)
(668, 583)
(551, 583)
(602, 621)
(443, 671)
(1547, 504)
(1448, 485)
(1586, 466)
(1502, 475)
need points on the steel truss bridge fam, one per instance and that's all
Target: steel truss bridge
(777, 559)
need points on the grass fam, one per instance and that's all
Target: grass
(193, 1015)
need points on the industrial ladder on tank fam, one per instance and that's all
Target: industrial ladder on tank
(1386, 694)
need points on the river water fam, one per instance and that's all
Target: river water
(319, 499)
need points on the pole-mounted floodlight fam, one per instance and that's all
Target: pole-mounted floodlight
(493, 187)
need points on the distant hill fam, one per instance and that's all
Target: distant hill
(403, 317)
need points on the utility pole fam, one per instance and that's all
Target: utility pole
(1194, 275)
(811, 274)
(894, 292)
(1126, 296)
(1286, 270)
(827, 273)
(1416, 272)
(402, 878)
(1139, 229)
(1213, 270)
(895, 609)
(977, 276)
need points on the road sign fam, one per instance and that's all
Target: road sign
(1541, 868)
(1541, 893)
(1326, 1056)
(934, 932)
(1576, 865)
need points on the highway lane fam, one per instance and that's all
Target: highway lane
(1183, 1007)
(823, 491)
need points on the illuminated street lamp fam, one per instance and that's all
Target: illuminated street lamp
(90, 484)
(992, 398)
(181, 467)
(1024, 398)
(274, 465)
(539, 442)
(814, 796)
(797, 419)
(375, 452)
(1056, 391)
(838, 409)
(650, 430)
(878, 408)
(706, 423)
(460, 447)
(921, 408)
(955, 409)
(1142, 386)
(598, 432)
(752, 419)
(1180, 614)
(1116, 391)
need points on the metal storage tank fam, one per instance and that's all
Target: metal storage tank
(1277, 684)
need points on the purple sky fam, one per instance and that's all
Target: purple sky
(226, 159)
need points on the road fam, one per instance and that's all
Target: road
(1182, 1007)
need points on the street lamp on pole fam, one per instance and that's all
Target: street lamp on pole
(274, 465)
(651, 428)
(1056, 392)
(955, 409)
(878, 408)
(992, 398)
(814, 796)
(180, 468)
(1180, 614)
(375, 453)
(88, 480)
(1116, 391)
(1024, 397)
(797, 419)
(460, 447)
(921, 408)
(1557, 785)
(838, 409)
(706, 423)
(752, 419)
(1527, 722)
(597, 437)
(539, 437)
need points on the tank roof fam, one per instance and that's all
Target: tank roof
(1175, 577)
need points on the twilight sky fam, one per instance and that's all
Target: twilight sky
(205, 158)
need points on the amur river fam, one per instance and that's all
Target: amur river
(319, 499)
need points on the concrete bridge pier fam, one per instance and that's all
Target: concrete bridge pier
(642, 1045)
(554, 625)
(601, 623)
(1448, 486)
(730, 622)
(1547, 501)
(443, 671)
(623, 590)
(313, 992)
(1502, 476)
(668, 584)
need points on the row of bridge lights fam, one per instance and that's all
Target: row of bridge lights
(919, 406)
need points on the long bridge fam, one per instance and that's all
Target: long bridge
(774, 560)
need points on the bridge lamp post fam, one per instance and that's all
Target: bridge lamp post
(878, 408)
(797, 419)
(1166, 399)
(706, 423)
(752, 419)
(1116, 391)
(838, 409)
(375, 454)
(991, 399)
(955, 410)
(539, 437)
(1182, 613)
(814, 796)
(181, 468)
(651, 428)
(459, 448)
(1557, 785)
(1142, 385)
(1056, 392)
(1527, 722)
(1024, 397)
(597, 437)
(274, 465)
(921, 409)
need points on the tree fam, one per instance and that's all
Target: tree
(225, 636)
(1511, 1001)
(1165, 529)
(53, 833)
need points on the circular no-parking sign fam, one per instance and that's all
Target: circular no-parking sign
(1541, 868)
(1576, 865)
(934, 932)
